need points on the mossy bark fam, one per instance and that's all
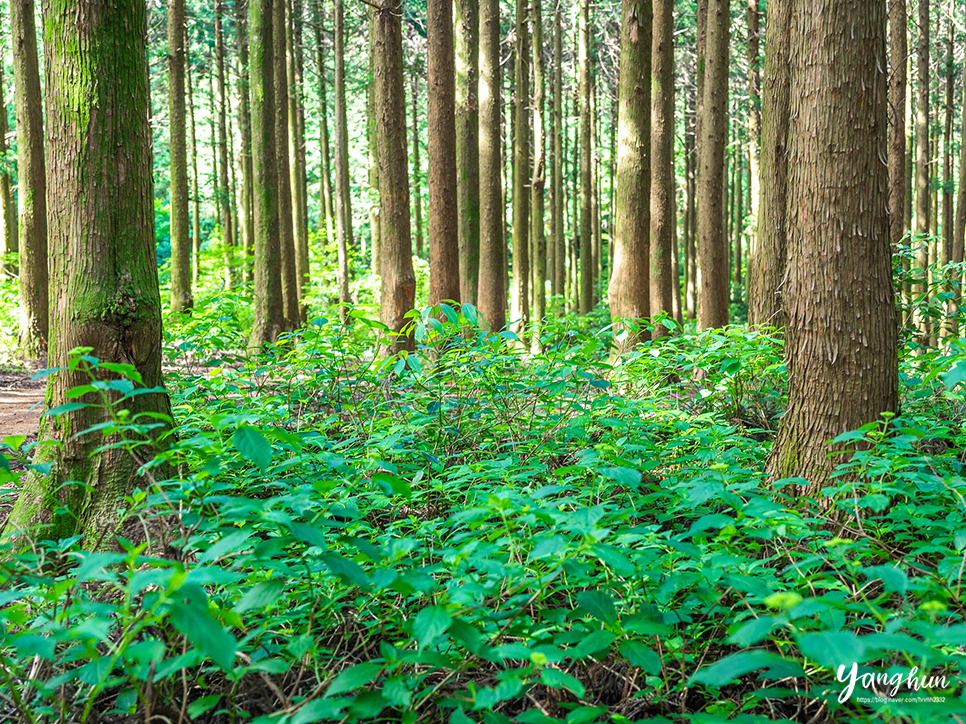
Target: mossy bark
(296, 149)
(662, 215)
(32, 182)
(467, 14)
(104, 279)
(181, 297)
(246, 212)
(286, 225)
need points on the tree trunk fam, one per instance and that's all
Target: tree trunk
(32, 181)
(326, 202)
(897, 121)
(960, 234)
(104, 281)
(417, 162)
(8, 216)
(519, 297)
(195, 178)
(739, 225)
(296, 148)
(712, 241)
(373, 139)
(690, 211)
(559, 280)
(245, 129)
(662, 220)
(180, 222)
(290, 297)
(468, 146)
(398, 280)
(840, 342)
(538, 178)
(223, 194)
(754, 112)
(491, 292)
(922, 165)
(444, 250)
(766, 259)
(269, 309)
(343, 198)
(947, 193)
(586, 178)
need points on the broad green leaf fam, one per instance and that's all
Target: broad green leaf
(14, 441)
(205, 632)
(64, 409)
(353, 678)
(593, 642)
(628, 477)
(252, 445)
(599, 605)
(557, 679)
(202, 705)
(638, 654)
(394, 483)
(731, 667)
(234, 541)
(893, 579)
(752, 631)
(349, 571)
(259, 596)
(832, 649)
(319, 710)
(430, 624)
(956, 375)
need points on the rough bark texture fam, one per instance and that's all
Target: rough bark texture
(468, 145)
(326, 202)
(223, 194)
(519, 297)
(398, 279)
(180, 221)
(105, 281)
(444, 256)
(690, 211)
(417, 161)
(269, 317)
(960, 234)
(766, 260)
(559, 279)
(663, 220)
(754, 108)
(629, 291)
(491, 294)
(587, 268)
(373, 139)
(947, 193)
(246, 212)
(343, 197)
(195, 178)
(538, 241)
(897, 120)
(286, 226)
(840, 340)
(921, 244)
(713, 134)
(8, 215)
(32, 181)
(296, 152)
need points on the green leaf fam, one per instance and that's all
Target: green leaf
(752, 631)
(14, 441)
(593, 642)
(349, 571)
(259, 596)
(200, 706)
(599, 605)
(252, 445)
(319, 710)
(430, 624)
(205, 632)
(627, 477)
(731, 667)
(892, 578)
(956, 375)
(557, 679)
(639, 655)
(353, 678)
(30, 645)
(397, 485)
(832, 649)
(64, 409)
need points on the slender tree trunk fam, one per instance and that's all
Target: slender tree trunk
(296, 151)
(444, 250)
(960, 234)
(223, 193)
(840, 344)
(290, 298)
(519, 298)
(417, 162)
(766, 260)
(105, 280)
(468, 146)
(326, 201)
(246, 213)
(754, 111)
(491, 292)
(32, 181)
(947, 193)
(738, 195)
(922, 165)
(586, 178)
(195, 178)
(595, 194)
(662, 219)
(676, 306)
(181, 299)
(269, 308)
(712, 241)
(558, 283)
(8, 216)
(897, 121)
(538, 179)
(373, 137)
(398, 280)
(343, 199)
(690, 213)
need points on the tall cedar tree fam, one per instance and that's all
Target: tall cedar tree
(8, 215)
(754, 106)
(538, 241)
(922, 165)
(181, 298)
(519, 297)
(296, 150)
(290, 297)
(766, 261)
(195, 178)
(269, 317)
(898, 51)
(629, 292)
(343, 197)
(104, 281)
(587, 267)
(417, 161)
(663, 218)
(713, 135)
(326, 205)
(32, 181)
(398, 295)
(840, 338)
(223, 194)
(467, 16)
(246, 212)
(491, 294)
(559, 280)
(444, 257)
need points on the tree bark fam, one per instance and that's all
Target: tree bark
(290, 297)
(223, 194)
(690, 211)
(587, 268)
(898, 53)
(662, 219)
(519, 297)
(491, 291)
(468, 146)
(840, 341)
(181, 299)
(754, 111)
(245, 129)
(269, 310)
(766, 260)
(947, 193)
(398, 280)
(559, 281)
(195, 178)
(712, 240)
(326, 201)
(960, 234)
(538, 177)
(417, 161)
(104, 281)
(32, 181)
(922, 166)
(296, 151)
(444, 249)
(343, 197)
(8, 216)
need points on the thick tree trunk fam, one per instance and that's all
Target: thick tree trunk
(290, 296)
(104, 281)
(296, 152)
(468, 146)
(587, 268)
(398, 280)
(766, 260)
(246, 213)
(922, 166)
(897, 121)
(519, 297)
(538, 241)
(629, 292)
(712, 240)
(840, 341)
(32, 181)
(343, 198)
(269, 310)
(181, 299)
(662, 162)
(444, 256)
(491, 292)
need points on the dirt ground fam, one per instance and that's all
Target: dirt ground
(19, 398)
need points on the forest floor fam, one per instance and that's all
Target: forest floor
(19, 398)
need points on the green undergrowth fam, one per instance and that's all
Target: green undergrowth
(478, 533)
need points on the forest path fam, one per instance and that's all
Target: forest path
(18, 396)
